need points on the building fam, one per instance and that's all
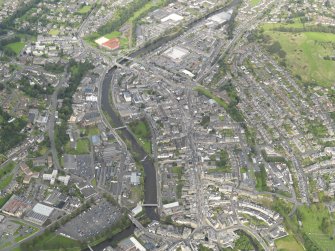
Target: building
(39, 214)
(28, 174)
(53, 177)
(16, 206)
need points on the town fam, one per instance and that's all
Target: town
(167, 125)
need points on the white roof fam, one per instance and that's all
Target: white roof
(221, 17)
(171, 205)
(137, 244)
(101, 40)
(173, 17)
(42, 209)
(176, 52)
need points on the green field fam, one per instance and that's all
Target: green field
(15, 47)
(53, 32)
(4, 182)
(305, 52)
(312, 225)
(85, 9)
(141, 130)
(114, 34)
(82, 147)
(52, 242)
(288, 243)
(254, 2)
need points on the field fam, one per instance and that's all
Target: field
(305, 52)
(254, 2)
(16, 47)
(85, 9)
(53, 32)
(312, 224)
(288, 243)
(53, 242)
(83, 147)
(141, 130)
(4, 182)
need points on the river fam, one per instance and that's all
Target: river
(150, 185)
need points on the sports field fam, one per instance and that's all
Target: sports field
(305, 52)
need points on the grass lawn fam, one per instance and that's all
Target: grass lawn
(53, 32)
(311, 224)
(7, 169)
(16, 47)
(94, 182)
(85, 9)
(92, 131)
(114, 34)
(305, 52)
(54, 242)
(254, 2)
(141, 130)
(288, 243)
(83, 147)
(4, 182)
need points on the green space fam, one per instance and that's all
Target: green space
(254, 221)
(141, 130)
(84, 9)
(254, 2)
(16, 47)
(261, 179)
(317, 128)
(288, 243)
(318, 224)
(94, 182)
(51, 241)
(53, 32)
(8, 168)
(82, 147)
(246, 242)
(305, 51)
(114, 34)
(4, 182)
(4, 199)
(77, 70)
(178, 170)
(221, 162)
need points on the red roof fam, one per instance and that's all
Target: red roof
(112, 44)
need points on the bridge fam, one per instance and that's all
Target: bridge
(119, 128)
(150, 205)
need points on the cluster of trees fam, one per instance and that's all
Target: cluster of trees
(10, 133)
(4, 42)
(329, 58)
(35, 90)
(309, 28)
(54, 68)
(246, 242)
(77, 70)
(121, 16)
(275, 48)
(232, 109)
